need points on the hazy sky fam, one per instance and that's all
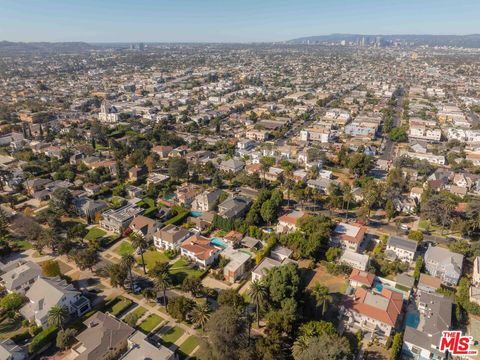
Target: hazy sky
(229, 20)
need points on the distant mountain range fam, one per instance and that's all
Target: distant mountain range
(470, 41)
(7, 47)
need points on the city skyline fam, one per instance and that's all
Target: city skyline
(216, 21)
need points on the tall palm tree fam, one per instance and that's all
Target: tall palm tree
(162, 282)
(139, 242)
(128, 261)
(57, 316)
(258, 294)
(322, 296)
(201, 315)
(347, 198)
(149, 294)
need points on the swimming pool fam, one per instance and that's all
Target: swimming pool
(379, 287)
(412, 320)
(196, 213)
(218, 242)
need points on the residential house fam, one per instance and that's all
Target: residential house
(232, 165)
(444, 264)
(233, 238)
(140, 348)
(46, 293)
(234, 207)
(21, 278)
(162, 151)
(401, 248)
(87, 207)
(372, 311)
(203, 221)
(206, 200)
(186, 194)
(354, 260)
(170, 237)
(289, 222)
(105, 337)
(200, 250)
(359, 278)
(144, 227)
(280, 253)
(117, 220)
(9, 350)
(435, 316)
(237, 265)
(348, 236)
(428, 283)
(261, 269)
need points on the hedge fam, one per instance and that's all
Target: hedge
(42, 338)
(182, 214)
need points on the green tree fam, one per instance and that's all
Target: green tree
(177, 168)
(12, 301)
(65, 338)
(128, 261)
(390, 209)
(268, 211)
(322, 296)
(162, 282)
(57, 316)
(283, 282)
(139, 242)
(258, 293)
(396, 346)
(200, 315)
(418, 268)
(179, 307)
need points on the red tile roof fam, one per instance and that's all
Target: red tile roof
(200, 246)
(389, 315)
(363, 277)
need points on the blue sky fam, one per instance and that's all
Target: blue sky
(229, 20)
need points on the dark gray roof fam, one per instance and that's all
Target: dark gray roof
(402, 243)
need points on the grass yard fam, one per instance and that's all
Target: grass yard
(94, 234)
(24, 244)
(150, 323)
(181, 269)
(336, 284)
(9, 328)
(172, 335)
(187, 347)
(125, 248)
(139, 311)
(151, 257)
(121, 306)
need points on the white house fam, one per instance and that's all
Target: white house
(401, 248)
(170, 237)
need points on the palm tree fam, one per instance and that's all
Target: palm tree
(201, 315)
(128, 261)
(139, 242)
(117, 274)
(162, 282)
(322, 296)
(300, 345)
(347, 198)
(57, 315)
(258, 294)
(149, 294)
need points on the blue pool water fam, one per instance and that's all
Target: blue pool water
(169, 197)
(218, 242)
(379, 286)
(196, 213)
(412, 320)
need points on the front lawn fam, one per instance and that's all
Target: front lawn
(188, 346)
(150, 323)
(182, 269)
(151, 257)
(172, 335)
(94, 234)
(139, 311)
(125, 248)
(121, 306)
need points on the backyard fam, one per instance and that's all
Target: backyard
(95, 234)
(320, 275)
